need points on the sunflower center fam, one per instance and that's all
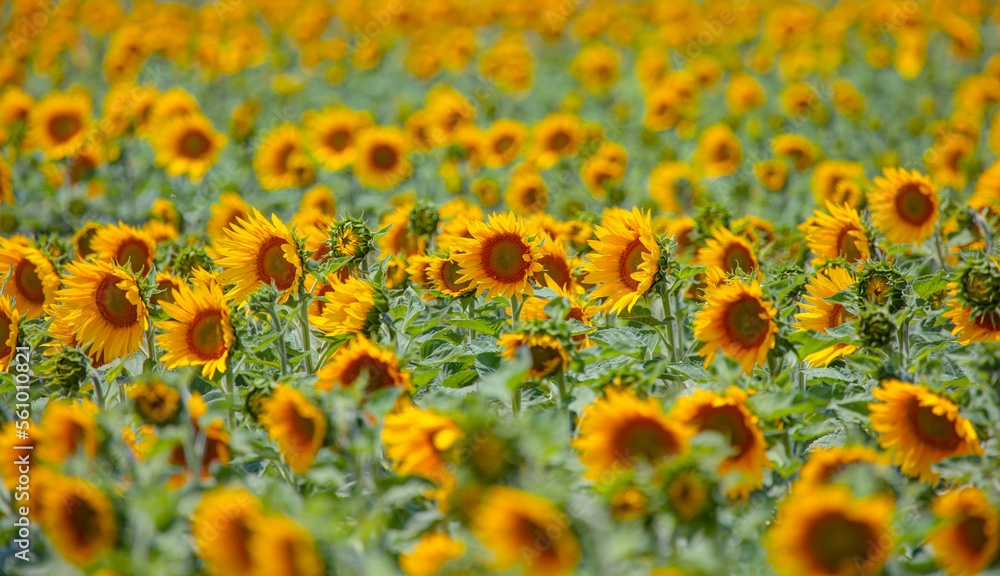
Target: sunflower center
(913, 205)
(83, 518)
(556, 268)
(934, 429)
(206, 337)
(450, 274)
(989, 321)
(728, 421)
(545, 359)
(282, 158)
(973, 531)
(64, 127)
(847, 245)
(503, 258)
(28, 283)
(376, 371)
(113, 303)
(305, 428)
(837, 314)
(558, 141)
(384, 157)
(5, 331)
(632, 257)
(135, 252)
(272, 266)
(530, 196)
(737, 256)
(194, 144)
(721, 153)
(166, 294)
(837, 541)
(645, 439)
(745, 323)
(534, 538)
(503, 144)
(83, 248)
(241, 538)
(338, 140)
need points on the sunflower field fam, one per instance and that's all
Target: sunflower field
(499, 287)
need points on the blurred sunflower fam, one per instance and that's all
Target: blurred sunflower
(320, 199)
(432, 551)
(837, 233)
(382, 157)
(798, 150)
(421, 443)
(498, 260)
(188, 146)
(625, 260)
(621, 429)
(199, 332)
(33, 280)
(78, 519)
(818, 313)
(772, 174)
(226, 214)
(352, 308)
(123, 245)
(443, 275)
(919, 428)
(68, 428)
(8, 333)
(824, 464)
(556, 137)
(295, 424)
(719, 152)
(222, 526)
(258, 252)
(6, 183)
(557, 266)
(281, 160)
(503, 142)
(526, 193)
(174, 104)
(737, 319)
(966, 537)
(362, 362)
(155, 401)
(837, 182)
(744, 93)
(728, 252)
(548, 356)
(57, 124)
(332, 135)
(280, 547)
(904, 206)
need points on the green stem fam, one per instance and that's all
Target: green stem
(515, 402)
(668, 313)
(282, 352)
(306, 335)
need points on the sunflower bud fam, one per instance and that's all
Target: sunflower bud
(710, 217)
(155, 401)
(876, 327)
(424, 218)
(67, 369)
(880, 284)
(979, 284)
(350, 238)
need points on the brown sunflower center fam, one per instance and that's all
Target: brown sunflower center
(272, 266)
(989, 321)
(556, 268)
(375, 370)
(305, 428)
(5, 330)
(721, 153)
(644, 439)
(450, 274)
(194, 144)
(546, 358)
(83, 520)
(729, 422)
(384, 157)
(737, 256)
(837, 542)
(503, 144)
(973, 532)
(282, 157)
(745, 322)
(29, 285)
(503, 258)
(933, 429)
(206, 336)
(240, 539)
(113, 303)
(847, 244)
(166, 294)
(632, 257)
(62, 127)
(913, 205)
(83, 248)
(529, 196)
(338, 140)
(535, 539)
(136, 253)
(559, 141)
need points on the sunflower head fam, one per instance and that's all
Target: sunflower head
(690, 494)
(500, 259)
(155, 401)
(966, 538)
(881, 284)
(876, 327)
(296, 424)
(222, 525)
(78, 519)
(979, 284)
(904, 206)
(548, 355)
(361, 362)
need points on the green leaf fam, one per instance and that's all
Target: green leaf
(931, 283)
(491, 327)
(460, 379)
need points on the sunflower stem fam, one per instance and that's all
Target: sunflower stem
(282, 352)
(515, 310)
(668, 313)
(306, 336)
(515, 402)
(939, 247)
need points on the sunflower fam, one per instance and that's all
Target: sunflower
(838, 233)
(361, 361)
(798, 150)
(824, 530)
(188, 146)
(69, 428)
(32, 280)
(222, 526)
(83, 237)
(8, 333)
(124, 245)
(332, 135)
(57, 124)
(719, 152)
(946, 157)
(280, 547)
(626, 259)
(970, 328)
(200, 332)
(556, 137)
(174, 104)
(987, 190)
(729, 416)
(824, 464)
(772, 174)
(498, 259)
(104, 307)
(837, 182)
(320, 199)
(665, 109)
(295, 424)
(226, 214)
(383, 157)
(166, 283)
(737, 319)
(350, 309)
(12, 447)
(503, 142)
(258, 252)
(527, 193)
(431, 552)
(15, 107)
(443, 276)
(521, 528)
(78, 519)
(596, 67)
(689, 494)
(548, 356)
(674, 186)
(818, 313)
(6, 183)
(557, 267)
(967, 535)
(620, 429)
(919, 428)
(744, 93)
(155, 401)
(421, 443)
(281, 160)
(600, 175)
(904, 206)
(728, 252)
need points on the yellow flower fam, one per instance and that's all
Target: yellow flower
(719, 152)
(13, 447)
(744, 94)
(443, 276)
(188, 146)
(382, 158)
(200, 332)
(836, 182)
(904, 205)
(818, 314)
(155, 401)
(521, 528)
(823, 530)
(123, 245)
(222, 526)
(332, 135)
(258, 252)
(498, 259)
(78, 519)
(33, 280)
(6, 183)
(728, 252)
(57, 124)
(226, 214)
(432, 551)
(919, 428)
(967, 536)
(295, 424)
(547, 354)
(729, 416)
(421, 443)
(798, 150)
(280, 547)
(281, 160)
(625, 260)
(839, 233)
(737, 319)
(362, 362)
(526, 193)
(556, 137)
(772, 174)
(68, 427)
(9, 318)
(674, 186)
(503, 142)
(619, 430)
(349, 305)
(596, 67)
(320, 199)
(824, 464)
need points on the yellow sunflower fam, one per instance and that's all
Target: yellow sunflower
(503, 142)
(521, 528)
(78, 519)
(320, 199)
(772, 174)
(904, 205)
(8, 333)
(383, 160)
(728, 252)
(188, 146)
(104, 307)
(421, 443)
(837, 233)
(499, 260)
(32, 279)
(361, 361)
(823, 464)
(728, 415)
(166, 283)
(332, 135)
(222, 526)
(257, 252)
(155, 401)
(737, 319)
(57, 124)
(443, 276)
(837, 182)
(83, 237)
(280, 547)
(674, 186)
(68, 428)
(6, 183)
(281, 160)
(431, 552)
(919, 428)
(620, 429)
(557, 267)
(966, 537)
(968, 329)
(823, 530)
(295, 424)
(526, 193)
(226, 214)
(719, 152)
(556, 137)
(744, 93)
(124, 245)
(12, 448)
(548, 355)
(818, 314)
(625, 260)
(174, 104)
(349, 307)
(798, 150)
(199, 332)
